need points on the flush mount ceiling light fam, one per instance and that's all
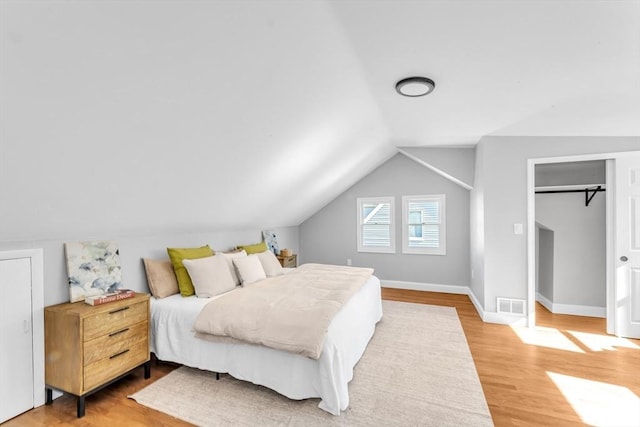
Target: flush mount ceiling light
(415, 86)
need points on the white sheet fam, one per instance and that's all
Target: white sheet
(294, 376)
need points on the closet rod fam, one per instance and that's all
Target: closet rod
(595, 190)
(586, 191)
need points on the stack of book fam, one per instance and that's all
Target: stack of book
(109, 297)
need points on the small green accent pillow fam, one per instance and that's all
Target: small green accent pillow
(254, 249)
(177, 255)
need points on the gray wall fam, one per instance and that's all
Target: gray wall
(544, 262)
(500, 200)
(571, 173)
(134, 248)
(329, 236)
(579, 263)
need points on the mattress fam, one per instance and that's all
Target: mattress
(294, 376)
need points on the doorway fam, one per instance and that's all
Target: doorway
(609, 231)
(570, 237)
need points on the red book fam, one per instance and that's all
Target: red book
(110, 297)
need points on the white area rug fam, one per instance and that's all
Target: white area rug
(416, 371)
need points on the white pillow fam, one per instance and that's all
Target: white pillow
(249, 269)
(270, 264)
(230, 257)
(210, 275)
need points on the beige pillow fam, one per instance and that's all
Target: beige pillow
(160, 277)
(176, 255)
(270, 264)
(229, 256)
(210, 276)
(249, 269)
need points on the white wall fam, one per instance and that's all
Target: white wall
(501, 170)
(135, 247)
(579, 267)
(329, 236)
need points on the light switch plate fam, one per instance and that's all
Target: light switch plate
(517, 229)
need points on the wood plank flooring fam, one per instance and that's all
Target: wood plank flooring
(514, 374)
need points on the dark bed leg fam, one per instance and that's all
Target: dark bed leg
(217, 375)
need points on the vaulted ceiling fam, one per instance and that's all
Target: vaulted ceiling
(139, 116)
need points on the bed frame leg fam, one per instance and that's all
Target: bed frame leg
(217, 375)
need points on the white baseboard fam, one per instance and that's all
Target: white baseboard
(490, 317)
(476, 303)
(505, 319)
(494, 317)
(575, 310)
(544, 301)
(428, 287)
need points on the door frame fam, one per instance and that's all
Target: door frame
(609, 229)
(37, 315)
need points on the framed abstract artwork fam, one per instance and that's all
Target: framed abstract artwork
(93, 268)
(269, 237)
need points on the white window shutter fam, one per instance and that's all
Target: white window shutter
(376, 225)
(423, 224)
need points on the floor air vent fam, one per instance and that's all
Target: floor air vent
(511, 306)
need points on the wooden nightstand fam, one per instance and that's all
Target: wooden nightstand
(290, 261)
(89, 347)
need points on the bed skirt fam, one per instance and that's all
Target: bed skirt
(294, 376)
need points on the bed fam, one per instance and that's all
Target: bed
(292, 375)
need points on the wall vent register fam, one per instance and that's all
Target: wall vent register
(511, 306)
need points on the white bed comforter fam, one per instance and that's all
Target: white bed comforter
(291, 312)
(292, 375)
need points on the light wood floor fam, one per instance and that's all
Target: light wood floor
(514, 374)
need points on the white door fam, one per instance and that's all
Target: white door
(16, 338)
(627, 196)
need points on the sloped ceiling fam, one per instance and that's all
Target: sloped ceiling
(501, 67)
(144, 116)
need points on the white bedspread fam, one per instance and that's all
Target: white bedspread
(292, 375)
(291, 312)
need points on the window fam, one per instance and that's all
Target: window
(375, 225)
(423, 224)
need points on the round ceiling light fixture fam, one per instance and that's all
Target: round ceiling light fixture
(415, 86)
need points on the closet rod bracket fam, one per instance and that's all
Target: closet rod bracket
(587, 197)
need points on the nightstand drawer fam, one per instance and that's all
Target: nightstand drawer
(108, 345)
(114, 320)
(290, 261)
(114, 365)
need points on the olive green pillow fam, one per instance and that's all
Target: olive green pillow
(177, 255)
(254, 249)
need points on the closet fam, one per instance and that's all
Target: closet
(570, 237)
(21, 370)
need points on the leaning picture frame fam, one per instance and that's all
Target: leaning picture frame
(93, 268)
(269, 237)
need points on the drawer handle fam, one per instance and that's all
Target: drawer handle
(119, 310)
(113, 334)
(119, 354)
